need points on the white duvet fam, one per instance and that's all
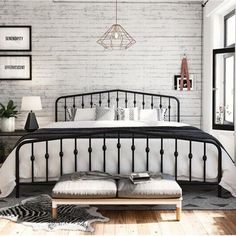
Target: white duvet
(7, 171)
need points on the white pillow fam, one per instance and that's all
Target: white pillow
(148, 114)
(105, 113)
(128, 113)
(83, 114)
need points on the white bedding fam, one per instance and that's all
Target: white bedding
(7, 172)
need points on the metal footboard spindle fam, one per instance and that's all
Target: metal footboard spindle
(118, 135)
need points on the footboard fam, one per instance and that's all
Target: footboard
(119, 136)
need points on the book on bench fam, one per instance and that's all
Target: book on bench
(141, 177)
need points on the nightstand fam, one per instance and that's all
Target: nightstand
(7, 142)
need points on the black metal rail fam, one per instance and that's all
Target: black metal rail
(118, 135)
(118, 97)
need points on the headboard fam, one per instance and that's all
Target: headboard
(118, 98)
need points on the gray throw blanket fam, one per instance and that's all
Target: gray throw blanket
(94, 175)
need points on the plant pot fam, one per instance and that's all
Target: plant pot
(8, 124)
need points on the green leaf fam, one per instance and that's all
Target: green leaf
(10, 104)
(3, 107)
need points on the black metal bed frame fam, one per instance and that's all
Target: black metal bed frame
(117, 134)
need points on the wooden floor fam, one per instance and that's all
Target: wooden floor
(145, 223)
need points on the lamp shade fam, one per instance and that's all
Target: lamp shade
(31, 103)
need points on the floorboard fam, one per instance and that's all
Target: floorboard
(195, 222)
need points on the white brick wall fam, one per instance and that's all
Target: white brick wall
(67, 59)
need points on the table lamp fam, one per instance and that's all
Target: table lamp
(31, 103)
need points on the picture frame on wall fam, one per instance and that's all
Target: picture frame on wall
(15, 38)
(177, 79)
(15, 67)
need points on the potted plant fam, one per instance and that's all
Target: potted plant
(8, 114)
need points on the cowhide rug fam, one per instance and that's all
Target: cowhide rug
(36, 212)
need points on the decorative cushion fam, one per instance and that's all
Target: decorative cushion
(105, 113)
(128, 113)
(155, 188)
(84, 114)
(148, 114)
(80, 188)
(161, 112)
(71, 111)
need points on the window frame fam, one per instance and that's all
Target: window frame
(225, 58)
(226, 17)
(225, 126)
(230, 49)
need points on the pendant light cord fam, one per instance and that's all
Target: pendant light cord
(205, 3)
(116, 11)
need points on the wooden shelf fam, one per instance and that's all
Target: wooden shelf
(19, 132)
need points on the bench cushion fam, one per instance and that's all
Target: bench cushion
(67, 188)
(155, 188)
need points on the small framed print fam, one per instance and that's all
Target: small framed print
(15, 38)
(177, 79)
(15, 67)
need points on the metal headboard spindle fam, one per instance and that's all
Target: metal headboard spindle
(117, 93)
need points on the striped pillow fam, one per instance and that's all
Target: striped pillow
(127, 113)
(105, 113)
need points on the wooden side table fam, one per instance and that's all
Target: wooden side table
(4, 140)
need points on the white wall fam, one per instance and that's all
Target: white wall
(213, 38)
(67, 59)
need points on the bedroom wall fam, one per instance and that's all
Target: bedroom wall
(67, 59)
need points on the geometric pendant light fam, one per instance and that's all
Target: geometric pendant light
(116, 38)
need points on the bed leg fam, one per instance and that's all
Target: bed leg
(54, 210)
(219, 191)
(17, 190)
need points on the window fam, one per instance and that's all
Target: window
(229, 29)
(224, 78)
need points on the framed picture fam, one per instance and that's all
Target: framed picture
(15, 38)
(177, 79)
(15, 67)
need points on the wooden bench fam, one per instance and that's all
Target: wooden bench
(111, 192)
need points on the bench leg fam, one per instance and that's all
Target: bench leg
(178, 210)
(54, 211)
(178, 213)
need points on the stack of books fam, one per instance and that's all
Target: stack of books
(141, 177)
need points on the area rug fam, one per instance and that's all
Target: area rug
(36, 212)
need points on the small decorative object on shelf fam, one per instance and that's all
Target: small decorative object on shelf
(8, 114)
(177, 79)
(31, 103)
(220, 115)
